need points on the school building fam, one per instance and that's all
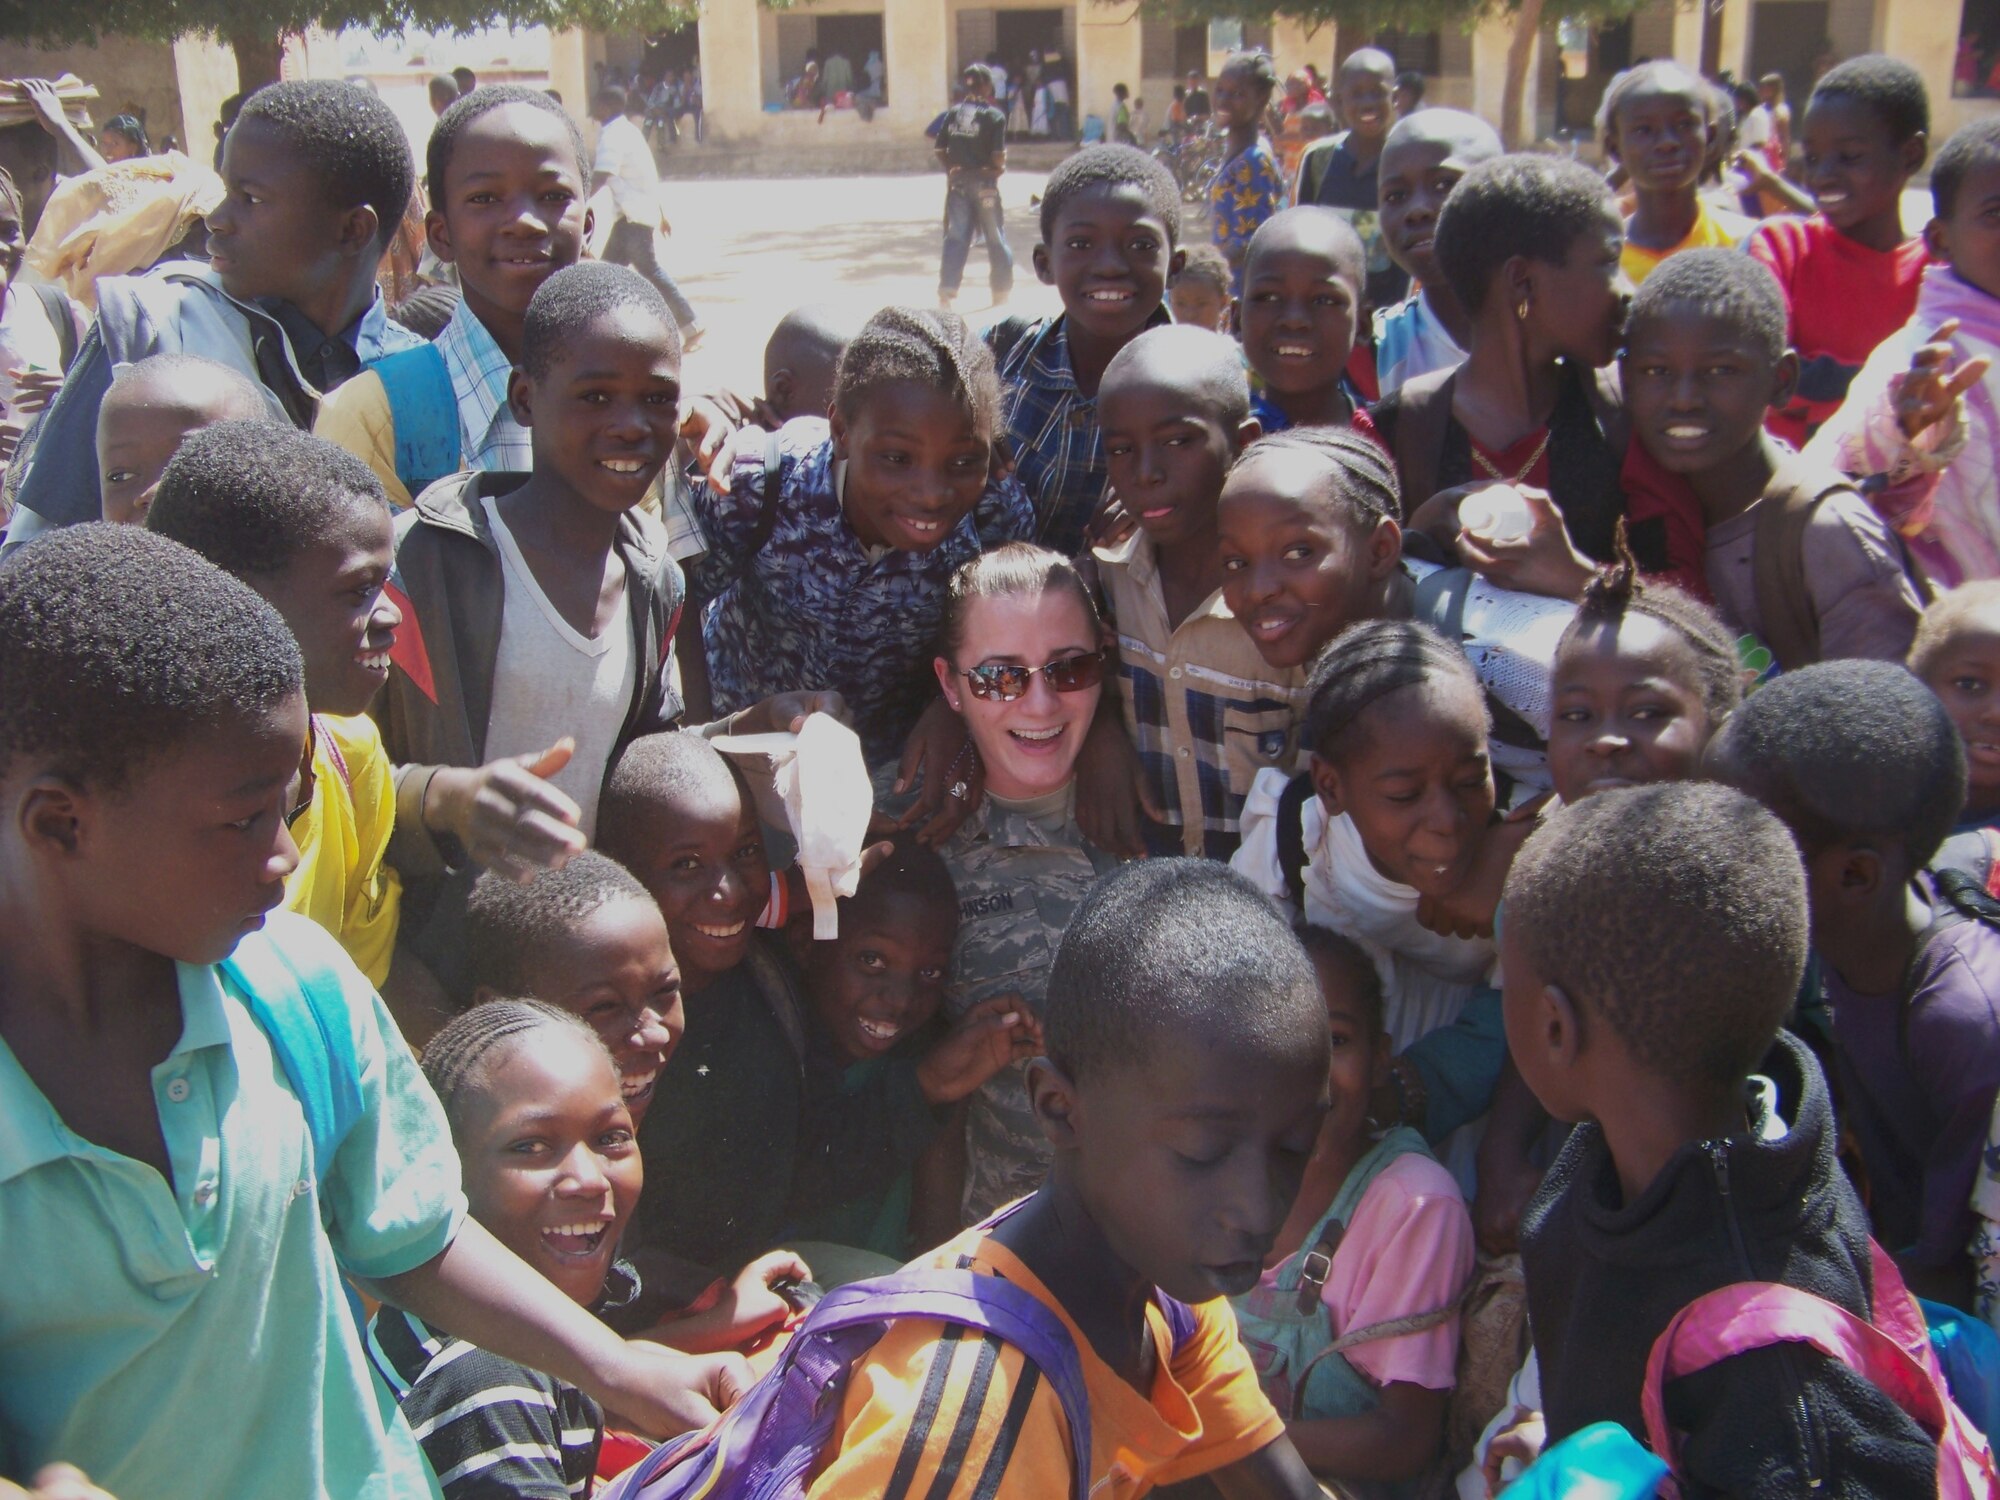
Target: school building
(748, 53)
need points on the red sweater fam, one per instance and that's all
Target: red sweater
(1844, 300)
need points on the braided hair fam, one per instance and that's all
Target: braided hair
(456, 1060)
(1617, 590)
(934, 349)
(1365, 664)
(1362, 476)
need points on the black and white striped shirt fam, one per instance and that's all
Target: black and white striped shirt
(490, 1428)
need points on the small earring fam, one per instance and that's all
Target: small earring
(1521, 312)
(954, 704)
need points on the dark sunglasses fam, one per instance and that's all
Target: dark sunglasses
(1070, 674)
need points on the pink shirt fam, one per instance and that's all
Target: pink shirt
(1408, 1249)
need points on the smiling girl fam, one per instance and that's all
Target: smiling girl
(828, 557)
(551, 1168)
(1250, 187)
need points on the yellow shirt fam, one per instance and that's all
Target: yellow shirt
(992, 1427)
(342, 882)
(1714, 229)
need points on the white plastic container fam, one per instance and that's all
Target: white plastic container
(1498, 513)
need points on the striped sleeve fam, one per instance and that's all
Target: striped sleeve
(489, 1428)
(947, 1413)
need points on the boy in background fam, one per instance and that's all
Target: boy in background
(1865, 767)
(1341, 171)
(624, 164)
(1653, 945)
(972, 149)
(318, 175)
(150, 409)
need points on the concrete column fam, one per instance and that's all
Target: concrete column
(1108, 51)
(1490, 41)
(732, 83)
(916, 51)
(1735, 22)
(204, 75)
(1687, 35)
(569, 72)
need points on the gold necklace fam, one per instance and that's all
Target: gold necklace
(1493, 470)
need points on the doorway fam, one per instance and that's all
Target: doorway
(1786, 36)
(1019, 33)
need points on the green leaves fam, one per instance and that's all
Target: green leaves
(70, 22)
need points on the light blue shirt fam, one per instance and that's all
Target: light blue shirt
(193, 1340)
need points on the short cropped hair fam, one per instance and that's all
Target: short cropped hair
(1725, 284)
(1207, 367)
(567, 303)
(1361, 486)
(117, 644)
(1891, 89)
(186, 382)
(1942, 620)
(347, 136)
(1310, 219)
(1173, 953)
(1108, 167)
(912, 870)
(1204, 266)
(1010, 569)
(1849, 750)
(1973, 145)
(1366, 663)
(647, 778)
(1675, 912)
(469, 107)
(938, 350)
(1517, 205)
(251, 496)
(509, 922)
(457, 1060)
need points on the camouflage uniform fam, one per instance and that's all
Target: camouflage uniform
(1018, 886)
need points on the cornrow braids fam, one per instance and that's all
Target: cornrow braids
(936, 349)
(456, 1059)
(1365, 664)
(1617, 590)
(1362, 475)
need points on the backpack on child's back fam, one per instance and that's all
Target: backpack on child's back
(770, 1443)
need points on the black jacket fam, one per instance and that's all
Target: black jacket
(1606, 1277)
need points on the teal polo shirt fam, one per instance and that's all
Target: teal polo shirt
(193, 1340)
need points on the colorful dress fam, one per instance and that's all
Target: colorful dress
(1247, 191)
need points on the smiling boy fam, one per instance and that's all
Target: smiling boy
(1422, 160)
(1202, 711)
(318, 175)
(1302, 292)
(1341, 172)
(1849, 273)
(1111, 221)
(1658, 123)
(1705, 360)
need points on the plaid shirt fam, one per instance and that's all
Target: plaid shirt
(814, 608)
(1204, 710)
(1052, 425)
(490, 438)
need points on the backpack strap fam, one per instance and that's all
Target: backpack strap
(1423, 416)
(56, 306)
(1292, 837)
(424, 411)
(302, 1010)
(1892, 1353)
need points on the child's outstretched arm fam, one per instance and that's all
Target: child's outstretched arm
(504, 815)
(480, 1291)
(749, 1306)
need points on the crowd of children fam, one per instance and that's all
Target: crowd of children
(1432, 880)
